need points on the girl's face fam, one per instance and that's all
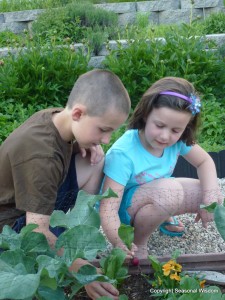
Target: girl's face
(164, 126)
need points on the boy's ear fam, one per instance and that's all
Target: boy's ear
(78, 111)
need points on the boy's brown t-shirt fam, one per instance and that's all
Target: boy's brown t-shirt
(34, 161)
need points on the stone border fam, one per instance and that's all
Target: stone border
(159, 11)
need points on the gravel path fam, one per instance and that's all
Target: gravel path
(195, 240)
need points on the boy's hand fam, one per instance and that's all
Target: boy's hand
(97, 289)
(96, 154)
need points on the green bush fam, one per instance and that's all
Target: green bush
(142, 63)
(213, 124)
(13, 114)
(76, 22)
(215, 23)
(41, 75)
(15, 5)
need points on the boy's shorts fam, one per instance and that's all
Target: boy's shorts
(66, 198)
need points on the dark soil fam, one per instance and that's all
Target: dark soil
(135, 287)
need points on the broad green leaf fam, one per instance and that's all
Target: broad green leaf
(185, 297)
(35, 242)
(5, 267)
(219, 218)
(210, 208)
(123, 297)
(114, 262)
(88, 274)
(54, 266)
(214, 293)
(49, 294)
(82, 213)
(47, 281)
(126, 233)
(9, 239)
(82, 241)
(75, 288)
(189, 283)
(27, 229)
(14, 257)
(13, 286)
(156, 265)
(175, 254)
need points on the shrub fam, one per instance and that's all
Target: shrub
(15, 5)
(215, 23)
(41, 75)
(213, 124)
(179, 55)
(77, 21)
(13, 114)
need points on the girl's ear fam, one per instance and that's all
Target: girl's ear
(78, 111)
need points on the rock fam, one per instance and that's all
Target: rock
(210, 276)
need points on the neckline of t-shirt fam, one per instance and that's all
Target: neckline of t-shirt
(144, 149)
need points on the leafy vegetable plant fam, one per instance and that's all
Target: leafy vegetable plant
(219, 216)
(171, 283)
(28, 261)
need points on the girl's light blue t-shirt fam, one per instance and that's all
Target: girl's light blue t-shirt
(128, 163)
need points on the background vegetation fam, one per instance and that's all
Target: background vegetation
(16, 5)
(42, 75)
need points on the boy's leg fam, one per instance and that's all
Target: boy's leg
(155, 202)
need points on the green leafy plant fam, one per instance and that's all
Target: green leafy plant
(218, 211)
(215, 23)
(171, 283)
(143, 62)
(76, 21)
(27, 259)
(40, 75)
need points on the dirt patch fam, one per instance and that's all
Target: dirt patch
(135, 287)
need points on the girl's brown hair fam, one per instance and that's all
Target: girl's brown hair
(152, 99)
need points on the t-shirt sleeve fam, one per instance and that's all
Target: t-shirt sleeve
(184, 150)
(36, 183)
(118, 166)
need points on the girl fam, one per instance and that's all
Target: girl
(140, 163)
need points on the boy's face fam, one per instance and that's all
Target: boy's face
(94, 130)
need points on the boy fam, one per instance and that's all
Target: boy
(37, 157)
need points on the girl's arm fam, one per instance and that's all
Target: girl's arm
(205, 166)
(110, 220)
(207, 175)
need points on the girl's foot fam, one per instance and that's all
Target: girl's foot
(142, 252)
(172, 227)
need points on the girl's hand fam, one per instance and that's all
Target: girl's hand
(209, 197)
(204, 216)
(130, 253)
(97, 289)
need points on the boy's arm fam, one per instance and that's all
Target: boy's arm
(43, 226)
(95, 289)
(110, 220)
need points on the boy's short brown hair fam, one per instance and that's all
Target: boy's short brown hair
(100, 90)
